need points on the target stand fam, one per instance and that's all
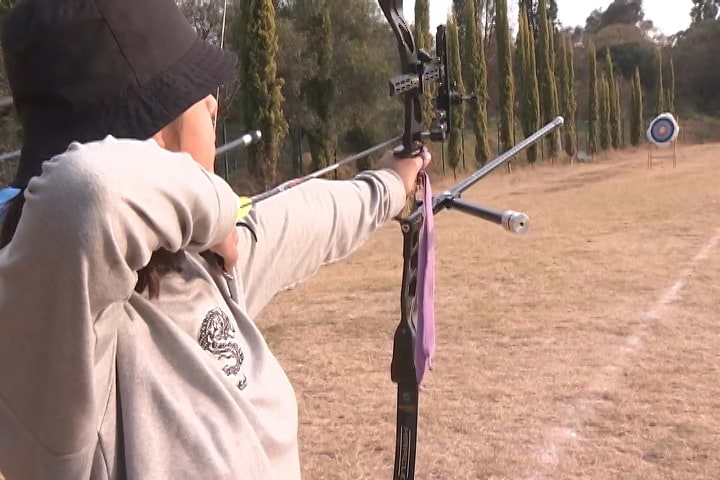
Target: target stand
(653, 155)
(663, 133)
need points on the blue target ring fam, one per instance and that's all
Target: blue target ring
(663, 130)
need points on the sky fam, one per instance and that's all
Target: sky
(669, 16)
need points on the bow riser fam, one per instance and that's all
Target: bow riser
(402, 369)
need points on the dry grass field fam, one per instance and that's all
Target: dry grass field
(588, 349)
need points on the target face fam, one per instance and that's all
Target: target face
(663, 130)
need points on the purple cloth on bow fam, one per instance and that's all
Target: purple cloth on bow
(425, 339)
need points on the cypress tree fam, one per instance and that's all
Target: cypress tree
(319, 91)
(423, 38)
(633, 101)
(540, 60)
(531, 15)
(475, 56)
(261, 94)
(659, 89)
(605, 135)
(520, 61)
(637, 110)
(570, 104)
(614, 102)
(552, 52)
(549, 102)
(455, 144)
(518, 66)
(704, 10)
(505, 81)
(533, 90)
(529, 94)
(561, 70)
(633, 106)
(671, 89)
(458, 13)
(620, 116)
(594, 107)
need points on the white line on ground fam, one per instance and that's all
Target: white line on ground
(584, 410)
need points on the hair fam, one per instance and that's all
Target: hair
(161, 263)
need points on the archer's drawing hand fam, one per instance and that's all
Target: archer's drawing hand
(228, 251)
(407, 168)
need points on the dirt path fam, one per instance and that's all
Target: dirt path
(589, 349)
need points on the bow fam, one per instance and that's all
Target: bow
(410, 353)
(414, 336)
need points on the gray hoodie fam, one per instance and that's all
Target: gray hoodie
(100, 382)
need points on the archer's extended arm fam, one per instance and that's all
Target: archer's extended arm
(315, 224)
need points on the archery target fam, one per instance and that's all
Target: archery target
(663, 130)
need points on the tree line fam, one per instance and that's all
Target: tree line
(607, 78)
(313, 77)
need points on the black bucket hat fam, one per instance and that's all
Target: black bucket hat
(80, 70)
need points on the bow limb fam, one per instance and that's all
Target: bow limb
(412, 69)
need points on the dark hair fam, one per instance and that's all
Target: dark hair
(162, 261)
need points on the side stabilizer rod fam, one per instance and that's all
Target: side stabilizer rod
(514, 222)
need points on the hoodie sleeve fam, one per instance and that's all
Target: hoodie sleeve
(315, 224)
(92, 220)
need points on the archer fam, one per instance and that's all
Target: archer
(126, 348)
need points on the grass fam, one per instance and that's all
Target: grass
(548, 363)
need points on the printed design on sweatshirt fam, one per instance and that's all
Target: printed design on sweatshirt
(217, 336)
